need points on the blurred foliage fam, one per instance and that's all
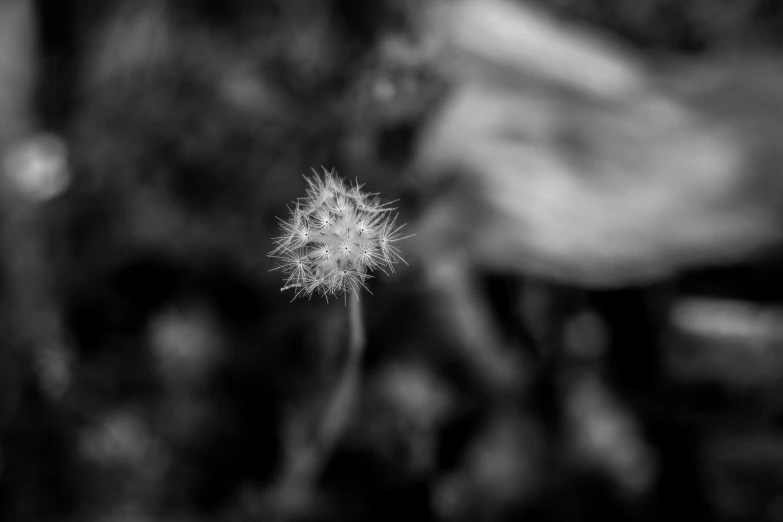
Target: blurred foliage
(150, 369)
(695, 28)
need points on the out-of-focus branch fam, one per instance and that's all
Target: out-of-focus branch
(33, 168)
(18, 63)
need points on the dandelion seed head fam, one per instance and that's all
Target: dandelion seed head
(335, 237)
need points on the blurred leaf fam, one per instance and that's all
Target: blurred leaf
(547, 170)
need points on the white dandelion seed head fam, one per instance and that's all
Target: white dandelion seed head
(335, 237)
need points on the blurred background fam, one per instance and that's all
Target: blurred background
(152, 370)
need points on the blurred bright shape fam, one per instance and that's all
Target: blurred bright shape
(38, 166)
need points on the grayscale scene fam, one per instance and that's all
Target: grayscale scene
(391, 260)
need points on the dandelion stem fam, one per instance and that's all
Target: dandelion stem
(302, 474)
(341, 405)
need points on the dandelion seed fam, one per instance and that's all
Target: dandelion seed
(389, 235)
(323, 218)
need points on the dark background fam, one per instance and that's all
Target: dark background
(151, 369)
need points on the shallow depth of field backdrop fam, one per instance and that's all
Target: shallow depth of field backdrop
(151, 369)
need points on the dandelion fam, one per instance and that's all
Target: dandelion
(335, 237)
